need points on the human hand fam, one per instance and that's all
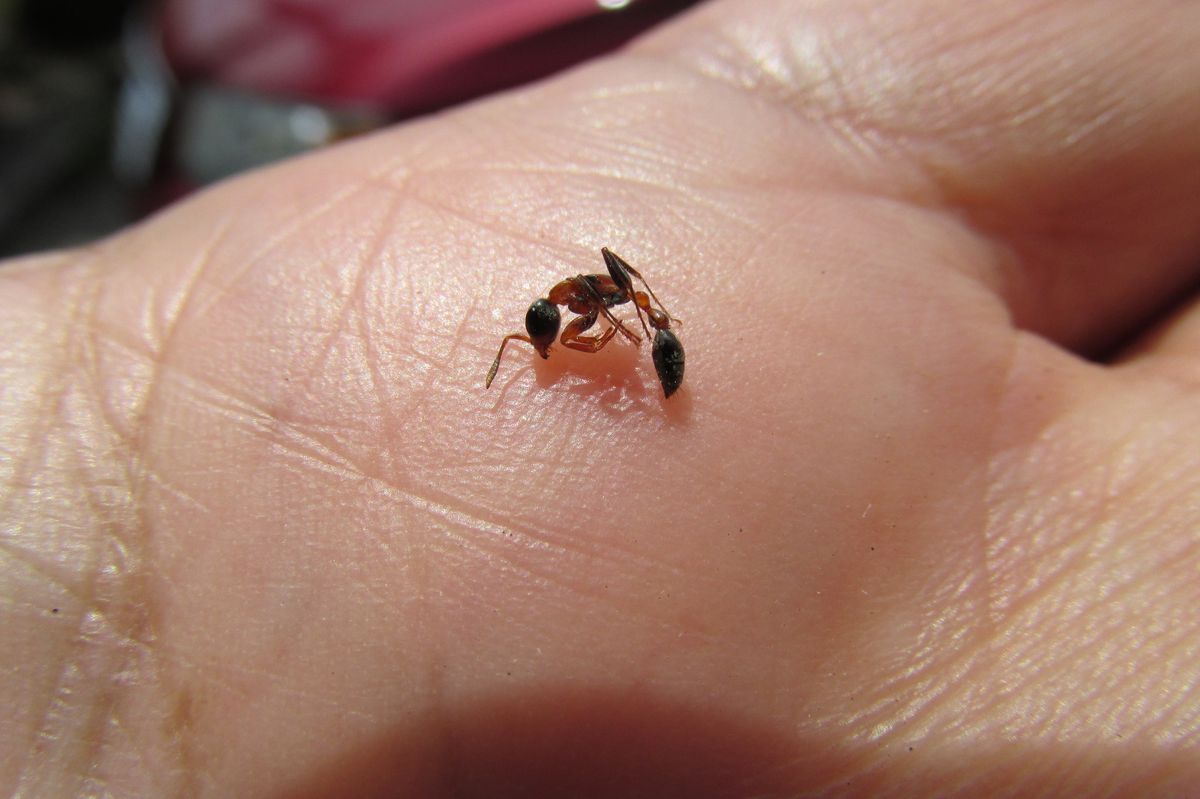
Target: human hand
(267, 535)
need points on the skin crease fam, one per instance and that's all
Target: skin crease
(265, 533)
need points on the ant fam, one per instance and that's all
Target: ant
(591, 296)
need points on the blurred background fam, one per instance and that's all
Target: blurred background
(111, 109)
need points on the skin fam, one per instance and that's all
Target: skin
(922, 519)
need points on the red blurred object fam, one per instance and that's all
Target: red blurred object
(398, 56)
(215, 87)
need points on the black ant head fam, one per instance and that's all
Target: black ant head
(616, 270)
(541, 322)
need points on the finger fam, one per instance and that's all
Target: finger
(1064, 136)
(1170, 349)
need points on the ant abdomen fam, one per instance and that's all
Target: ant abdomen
(668, 360)
(541, 322)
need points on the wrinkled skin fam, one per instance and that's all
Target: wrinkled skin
(898, 534)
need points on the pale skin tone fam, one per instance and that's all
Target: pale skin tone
(266, 534)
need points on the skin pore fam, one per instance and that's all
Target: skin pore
(920, 521)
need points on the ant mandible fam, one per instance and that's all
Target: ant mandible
(591, 296)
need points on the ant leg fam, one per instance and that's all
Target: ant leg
(620, 270)
(638, 275)
(597, 302)
(491, 375)
(588, 343)
(572, 337)
(618, 326)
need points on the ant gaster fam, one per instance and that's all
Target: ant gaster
(591, 296)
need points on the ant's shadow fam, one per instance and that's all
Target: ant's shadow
(616, 379)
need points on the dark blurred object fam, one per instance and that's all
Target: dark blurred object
(58, 77)
(69, 24)
(104, 101)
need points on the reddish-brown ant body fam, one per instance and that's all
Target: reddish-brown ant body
(591, 296)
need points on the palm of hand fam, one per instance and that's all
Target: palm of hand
(892, 533)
